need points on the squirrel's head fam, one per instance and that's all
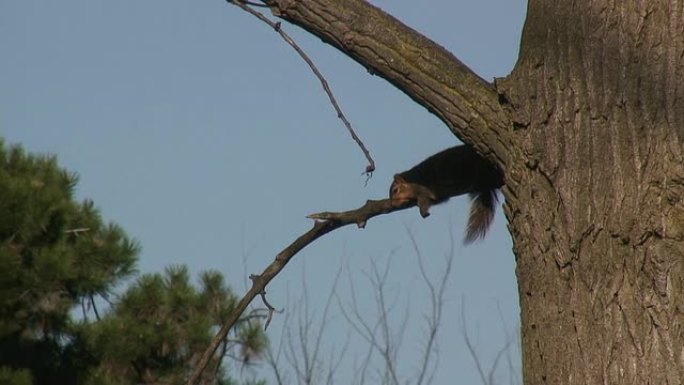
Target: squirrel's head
(402, 191)
(399, 189)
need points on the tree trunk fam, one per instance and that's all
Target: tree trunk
(596, 213)
(589, 132)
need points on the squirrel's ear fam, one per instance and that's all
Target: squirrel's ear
(399, 179)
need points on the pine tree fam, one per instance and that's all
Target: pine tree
(161, 325)
(58, 255)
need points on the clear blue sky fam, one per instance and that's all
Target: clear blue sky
(206, 137)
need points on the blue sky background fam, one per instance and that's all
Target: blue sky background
(196, 128)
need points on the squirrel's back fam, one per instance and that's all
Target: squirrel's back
(455, 171)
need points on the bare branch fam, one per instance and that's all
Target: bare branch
(488, 378)
(85, 308)
(325, 320)
(436, 305)
(328, 221)
(421, 68)
(512, 340)
(379, 335)
(303, 347)
(324, 83)
(77, 231)
(224, 350)
(389, 349)
(92, 302)
(252, 4)
(270, 308)
(272, 360)
(470, 346)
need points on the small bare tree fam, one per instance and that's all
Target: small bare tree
(299, 356)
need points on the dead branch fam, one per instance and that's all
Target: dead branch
(270, 307)
(487, 378)
(325, 223)
(429, 74)
(244, 5)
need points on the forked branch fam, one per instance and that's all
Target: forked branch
(325, 223)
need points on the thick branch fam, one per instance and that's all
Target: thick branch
(325, 223)
(419, 67)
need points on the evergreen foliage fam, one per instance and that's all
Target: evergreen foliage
(60, 261)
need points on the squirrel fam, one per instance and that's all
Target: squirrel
(455, 171)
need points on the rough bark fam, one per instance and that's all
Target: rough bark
(588, 130)
(597, 98)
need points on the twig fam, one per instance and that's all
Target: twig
(224, 350)
(325, 223)
(276, 26)
(253, 4)
(77, 231)
(436, 297)
(470, 347)
(84, 309)
(270, 308)
(92, 302)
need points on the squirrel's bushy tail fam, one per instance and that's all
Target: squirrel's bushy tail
(481, 216)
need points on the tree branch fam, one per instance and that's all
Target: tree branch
(421, 68)
(242, 4)
(325, 223)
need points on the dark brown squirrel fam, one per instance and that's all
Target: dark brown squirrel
(455, 171)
